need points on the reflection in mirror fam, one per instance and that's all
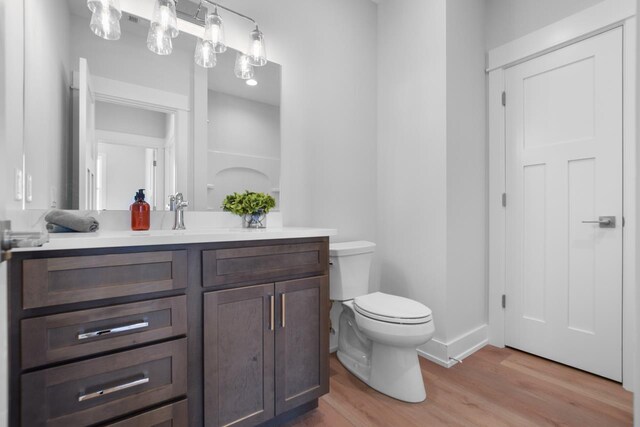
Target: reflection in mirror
(243, 132)
(104, 118)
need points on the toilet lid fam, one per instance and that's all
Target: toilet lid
(391, 308)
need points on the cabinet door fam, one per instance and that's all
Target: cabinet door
(302, 341)
(238, 356)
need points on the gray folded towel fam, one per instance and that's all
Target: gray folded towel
(72, 221)
(55, 228)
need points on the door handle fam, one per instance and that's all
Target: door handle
(604, 222)
(105, 391)
(283, 312)
(109, 331)
(272, 309)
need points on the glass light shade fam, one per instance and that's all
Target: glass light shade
(94, 4)
(164, 17)
(214, 32)
(159, 41)
(205, 55)
(243, 69)
(257, 52)
(105, 18)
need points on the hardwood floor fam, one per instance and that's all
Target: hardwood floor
(493, 387)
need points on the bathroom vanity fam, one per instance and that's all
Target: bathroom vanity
(206, 330)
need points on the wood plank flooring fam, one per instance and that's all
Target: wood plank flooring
(493, 387)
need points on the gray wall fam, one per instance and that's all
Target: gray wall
(47, 101)
(507, 20)
(241, 126)
(328, 55)
(431, 168)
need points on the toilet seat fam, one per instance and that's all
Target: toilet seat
(392, 309)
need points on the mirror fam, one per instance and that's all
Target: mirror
(105, 118)
(243, 128)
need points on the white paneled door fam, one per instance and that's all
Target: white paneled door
(564, 167)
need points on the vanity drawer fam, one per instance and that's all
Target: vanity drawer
(54, 281)
(81, 333)
(89, 392)
(174, 415)
(228, 266)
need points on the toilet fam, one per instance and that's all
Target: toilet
(378, 333)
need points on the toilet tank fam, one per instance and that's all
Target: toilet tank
(351, 262)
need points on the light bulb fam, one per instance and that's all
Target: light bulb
(159, 41)
(257, 52)
(243, 69)
(105, 18)
(164, 17)
(214, 32)
(205, 55)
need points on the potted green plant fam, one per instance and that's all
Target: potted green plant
(252, 207)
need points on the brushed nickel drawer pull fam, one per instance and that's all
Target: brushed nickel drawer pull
(272, 311)
(283, 302)
(110, 390)
(109, 331)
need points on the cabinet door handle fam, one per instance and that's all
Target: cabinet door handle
(283, 303)
(109, 331)
(272, 311)
(110, 390)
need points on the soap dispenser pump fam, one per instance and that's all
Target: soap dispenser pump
(140, 213)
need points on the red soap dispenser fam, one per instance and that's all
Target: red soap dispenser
(140, 213)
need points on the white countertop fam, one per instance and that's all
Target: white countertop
(111, 239)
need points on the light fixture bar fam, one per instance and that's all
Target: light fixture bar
(212, 3)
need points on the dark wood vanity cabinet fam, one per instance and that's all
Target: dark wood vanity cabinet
(265, 350)
(180, 335)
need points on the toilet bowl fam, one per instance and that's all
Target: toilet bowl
(378, 333)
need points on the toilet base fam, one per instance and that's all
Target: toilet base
(393, 371)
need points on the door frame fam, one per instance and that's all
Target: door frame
(597, 19)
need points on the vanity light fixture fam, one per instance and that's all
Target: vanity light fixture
(214, 31)
(252, 82)
(257, 52)
(105, 23)
(163, 28)
(205, 55)
(256, 55)
(105, 18)
(243, 68)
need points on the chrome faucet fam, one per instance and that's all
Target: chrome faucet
(177, 204)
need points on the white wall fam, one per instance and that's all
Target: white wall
(636, 396)
(129, 60)
(431, 163)
(244, 147)
(47, 102)
(508, 20)
(125, 173)
(4, 196)
(241, 126)
(328, 57)
(412, 153)
(136, 121)
(466, 168)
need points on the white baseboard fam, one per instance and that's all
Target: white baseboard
(447, 354)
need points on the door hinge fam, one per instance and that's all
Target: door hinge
(504, 200)
(504, 301)
(504, 99)
(155, 163)
(623, 222)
